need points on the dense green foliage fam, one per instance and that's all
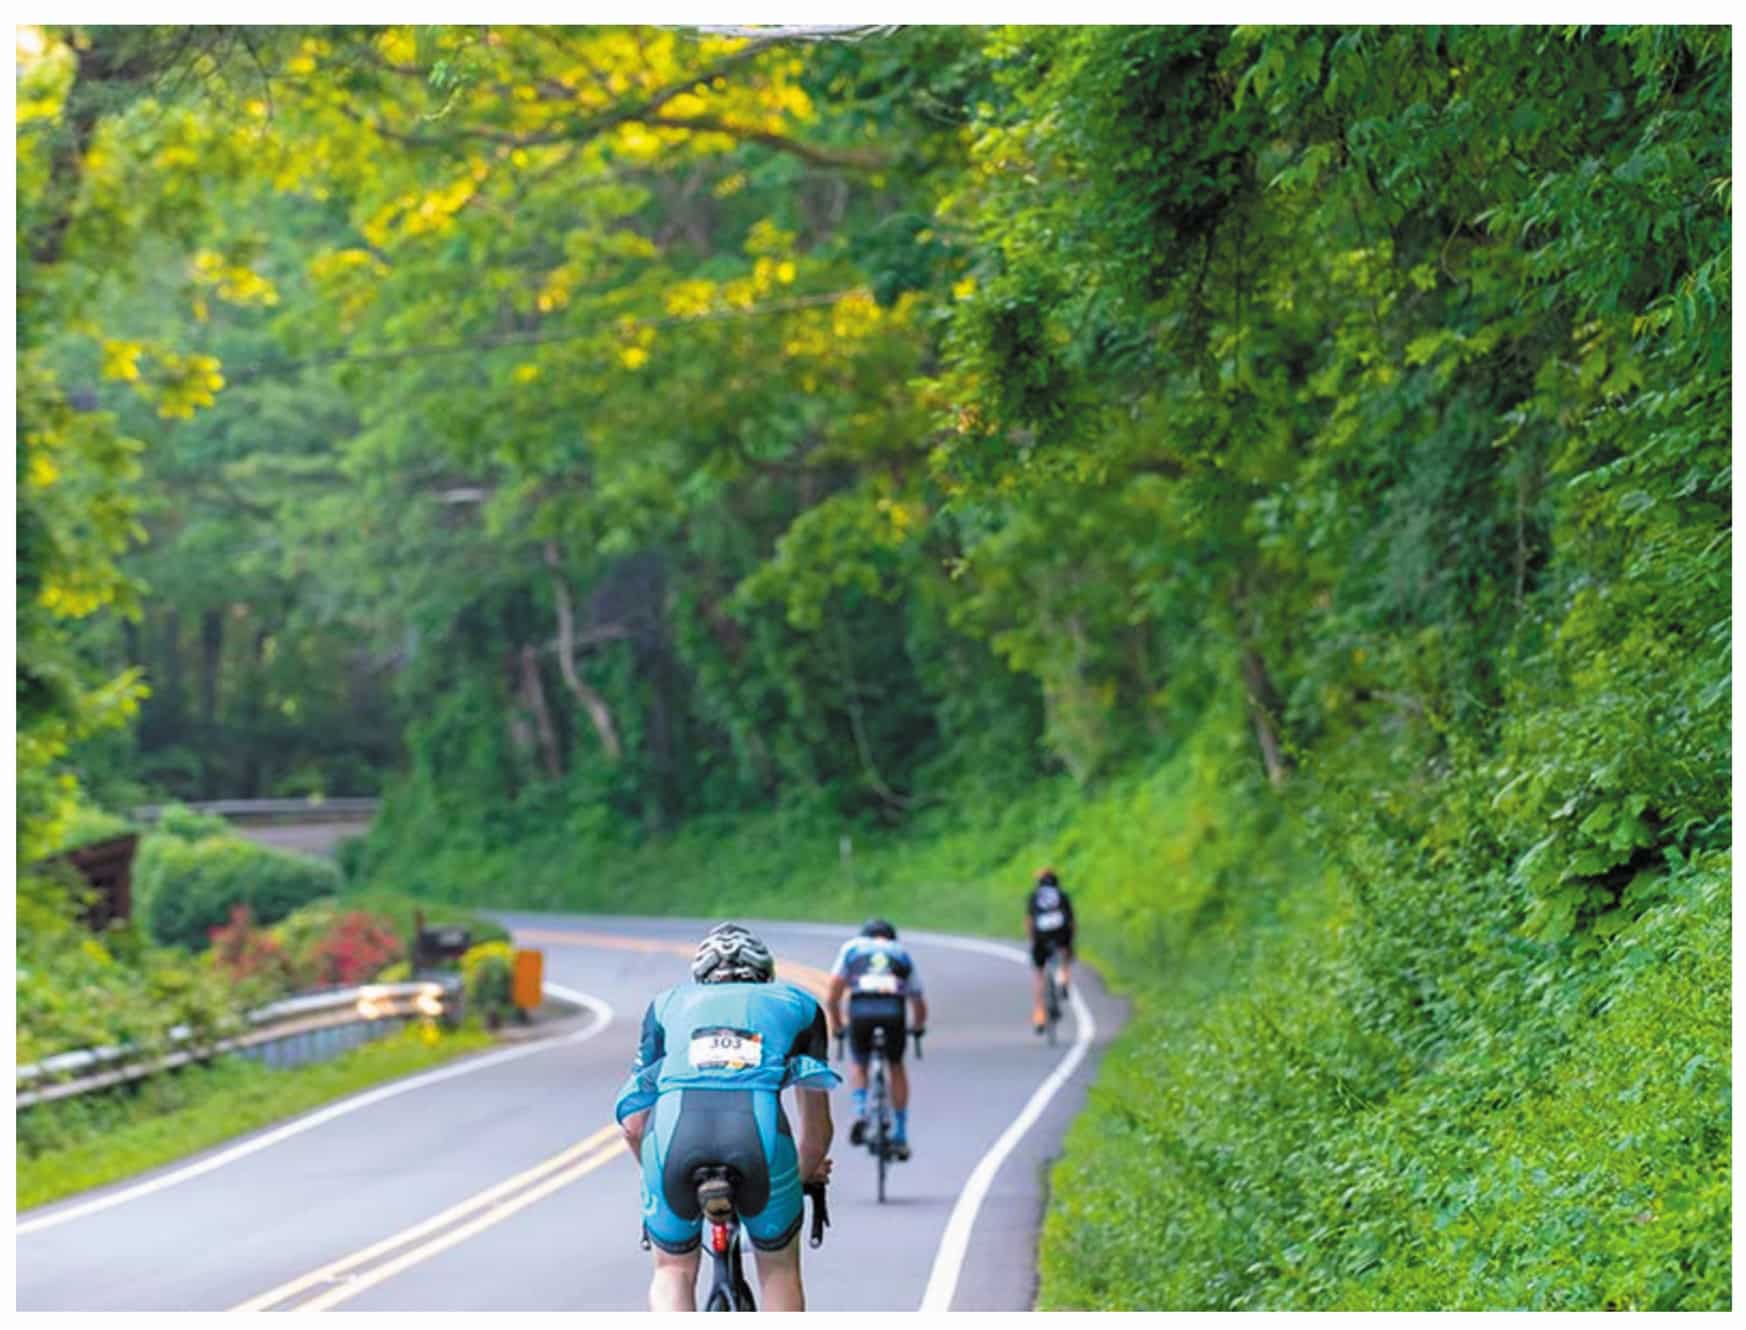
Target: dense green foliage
(78, 991)
(1283, 474)
(76, 1144)
(126, 987)
(183, 889)
(1313, 1115)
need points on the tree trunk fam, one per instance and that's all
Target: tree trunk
(254, 742)
(533, 693)
(171, 695)
(211, 665)
(857, 726)
(1264, 709)
(655, 664)
(592, 702)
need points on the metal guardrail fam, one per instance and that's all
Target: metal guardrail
(293, 1030)
(242, 808)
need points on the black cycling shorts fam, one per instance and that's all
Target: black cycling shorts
(1040, 946)
(870, 1012)
(720, 1128)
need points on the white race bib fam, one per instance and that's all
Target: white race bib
(1049, 920)
(727, 1049)
(878, 983)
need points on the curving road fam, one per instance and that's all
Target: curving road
(493, 1184)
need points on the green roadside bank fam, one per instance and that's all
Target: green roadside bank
(1352, 1078)
(75, 1144)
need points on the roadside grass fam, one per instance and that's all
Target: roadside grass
(1241, 1151)
(72, 1145)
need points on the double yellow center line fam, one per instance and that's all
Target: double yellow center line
(351, 1275)
(344, 1279)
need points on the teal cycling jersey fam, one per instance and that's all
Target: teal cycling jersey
(747, 1036)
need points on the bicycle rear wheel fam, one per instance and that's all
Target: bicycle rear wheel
(881, 1135)
(1053, 994)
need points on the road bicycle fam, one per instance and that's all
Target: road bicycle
(1052, 994)
(879, 1135)
(724, 1239)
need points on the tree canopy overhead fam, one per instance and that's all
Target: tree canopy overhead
(677, 417)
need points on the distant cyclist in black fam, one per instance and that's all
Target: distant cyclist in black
(1048, 919)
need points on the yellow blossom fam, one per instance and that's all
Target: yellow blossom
(43, 472)
(120, 360)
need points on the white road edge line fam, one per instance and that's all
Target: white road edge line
(955, 1242)
(603, 1014)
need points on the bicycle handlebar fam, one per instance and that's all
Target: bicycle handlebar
(918, 1038)
(821, 1215)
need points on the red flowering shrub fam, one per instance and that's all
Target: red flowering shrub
(248, 955)
(354, 949)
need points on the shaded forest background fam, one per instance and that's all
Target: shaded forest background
(1282, 476)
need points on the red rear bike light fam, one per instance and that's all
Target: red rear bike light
(718, 1237)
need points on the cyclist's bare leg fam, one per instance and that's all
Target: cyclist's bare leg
(857, 1075)
(779, 1278)
(899, 1086)
(1066, 954)
(1037, 994)
(674, 1287)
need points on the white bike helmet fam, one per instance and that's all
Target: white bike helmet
(731, 954)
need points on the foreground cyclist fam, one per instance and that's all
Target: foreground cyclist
(877, 975)
(704, 1089)
(1049, 925)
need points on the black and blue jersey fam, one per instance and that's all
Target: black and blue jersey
(877, 966)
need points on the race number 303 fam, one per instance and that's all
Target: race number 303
(723, 1047)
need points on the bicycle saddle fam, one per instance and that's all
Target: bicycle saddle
(715, 1191)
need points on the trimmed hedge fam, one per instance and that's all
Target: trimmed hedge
(186, 887)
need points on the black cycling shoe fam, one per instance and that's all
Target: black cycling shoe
(858, 1132)
(900, 1149)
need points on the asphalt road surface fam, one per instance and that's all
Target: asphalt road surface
(317, 838)
(494, 1183)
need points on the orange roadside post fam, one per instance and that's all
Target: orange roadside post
(525, 992)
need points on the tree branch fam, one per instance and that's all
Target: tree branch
(865, 159)
(799, 32)
(646, 110)
(591, 701)
(858, 728)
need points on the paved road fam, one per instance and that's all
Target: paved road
(492, 1185)
(317, 838)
